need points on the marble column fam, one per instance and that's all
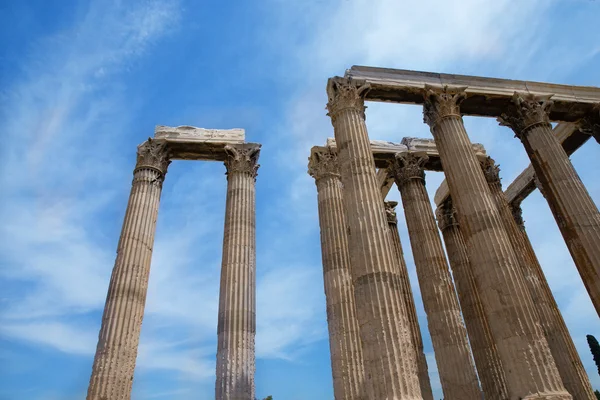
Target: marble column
(561, 345)
(344, 339)
(114, 363)
(411, 310)
(388, 353)
(237, 297)
(574, 210)
(485, 353)
(529, 368)
(446, 327)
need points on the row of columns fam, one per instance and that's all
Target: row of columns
(519, 340)
(114, 362)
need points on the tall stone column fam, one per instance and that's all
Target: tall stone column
(529, 368)
(446, 327)
(485, 353)
(411, 310)
(388, 353)
(237, 297)
(344, 338)
(114, 363)
(574, 210)
(561, 345)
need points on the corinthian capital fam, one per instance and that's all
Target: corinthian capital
(526, 112)
(591, 123)
(517, 213)
(442, 103)
(346, 94)
(242, 158)
(390, 211)
(153, 154)
(322, 163)
(408, 166)
(446, 215)
(491, 171)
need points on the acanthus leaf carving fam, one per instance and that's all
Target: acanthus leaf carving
(442, 103)
(153, 154)
(491, 171)
(407, 166)
(344, 94)
(323, 163)
(242, 159)
(526, 111)
(390, 212)
(446, 215)
(591, 123)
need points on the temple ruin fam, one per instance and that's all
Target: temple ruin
(114, 363)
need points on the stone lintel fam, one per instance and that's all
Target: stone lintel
(384, 151)
(571, 139)
(488, 97)
(190, 143)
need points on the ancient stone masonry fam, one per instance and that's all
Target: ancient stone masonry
(388, 353)
(411, 310)
(237, 305)
(446, 327)
(574, 210)
(528, 365)
(485, 353)
(555, 330)
(344, 338)
(519, 340)
(114, 363)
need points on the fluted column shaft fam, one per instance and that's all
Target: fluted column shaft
(344, 338)
(411, 310)
(446, 327)
(485, 353)
(237, 297)
(529, 368)
(557, 334)
(114, 363)
(388, 354)
(574, 210)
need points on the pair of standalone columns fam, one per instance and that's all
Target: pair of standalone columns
(389, 358)
(114, 363)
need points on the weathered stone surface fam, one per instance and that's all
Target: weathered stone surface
(237, 306)
(555, 330)
(114, 363)
(486, 96)
(193, 134)
(485, 353)
(388, 353)
(528, 365)
(574, 210)
(344, 338)
(570, 137)
(446, 327)
(411, 310)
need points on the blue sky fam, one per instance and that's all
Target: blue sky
(83, 82)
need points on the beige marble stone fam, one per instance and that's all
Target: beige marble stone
(411, 310)
(114, 363)
(237, 298)
(529, 368)
(555, 330)
(388, 353)
(344, 338)
(445, 323)
(574, 210)
(485, 353)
